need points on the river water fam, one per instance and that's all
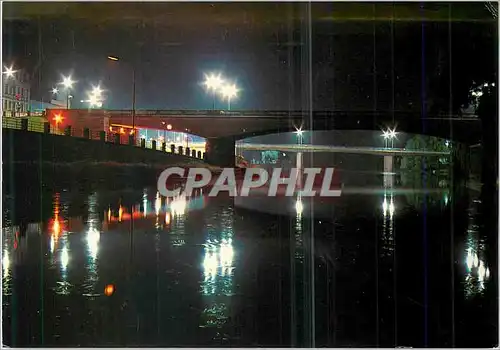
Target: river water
(107, 265)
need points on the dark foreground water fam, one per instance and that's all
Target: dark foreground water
(110, 267)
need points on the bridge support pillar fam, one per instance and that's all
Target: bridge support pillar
(221, 151)
(300, 168)
(388, 164)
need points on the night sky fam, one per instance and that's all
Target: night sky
(340, 56)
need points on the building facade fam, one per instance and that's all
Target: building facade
(16, 93)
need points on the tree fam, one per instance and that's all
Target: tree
(270, 156)
(426, 163)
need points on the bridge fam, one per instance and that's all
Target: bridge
(222, 129)
(340, 149)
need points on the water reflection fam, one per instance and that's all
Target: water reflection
(206, 242)
(218, 270)
(8, 256)
(93, 236)
(477, 271)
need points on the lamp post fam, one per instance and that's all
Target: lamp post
(299, 161)
(9, 73)
(68, 84)
(213, 83)
(229, 91)
(95, 97)
(389, 135)
(115, 58)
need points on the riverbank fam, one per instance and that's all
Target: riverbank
(24, 147)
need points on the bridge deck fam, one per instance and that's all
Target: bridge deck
(339, 149)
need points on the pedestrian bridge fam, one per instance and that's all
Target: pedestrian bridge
(339, 149)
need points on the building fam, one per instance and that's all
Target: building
(40, 106)
(15, 93)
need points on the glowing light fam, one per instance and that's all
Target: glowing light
(158, 203)
(58, 118)
(94, 101)
(226, 254)
(476, 261)
(391, 208)
(64, 258)
(178, 206)
(389, 133)
(299, 132)
(388, 207)
(9, 71)
(109, 214)
(113, 58)
(299, 207)
(210, 264)
(122, 131)
(52, 243)
(213, 82)
(56, 227)
(109, 290)
(481, 270)
(96, 91)
(5, 261)
(469, 260)
(145, 203)
(55, 91)
(229, 91)
(169, 127)
(93, 237)
(67, 82)
(120, 213)
(167, 218)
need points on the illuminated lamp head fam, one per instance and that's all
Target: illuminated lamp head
(58, 118)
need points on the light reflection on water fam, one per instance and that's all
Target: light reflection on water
(477, 270)
(218, 269)
(219, 251)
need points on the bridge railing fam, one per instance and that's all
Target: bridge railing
(274, 113)
(41, 125)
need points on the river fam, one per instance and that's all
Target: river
(111, 265)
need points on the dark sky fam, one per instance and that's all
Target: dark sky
(355, 56)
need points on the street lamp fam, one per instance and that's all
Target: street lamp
(115, 58)
(389, 135)
(229, 91)
(299, 133)
(68, 84)
(54, 91)
(9, 72)
(213, 82)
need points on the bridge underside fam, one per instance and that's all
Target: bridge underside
(222, 131)
(237, 126)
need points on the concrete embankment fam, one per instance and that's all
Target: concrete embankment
(32, 147)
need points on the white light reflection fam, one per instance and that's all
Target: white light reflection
(52, 243)
(388, 207)
(64, 258)
(210, 264)
(145, 203)
(477, 272)
(93, 237)
(299, 207)
(226, 257)
(158, 203)
(178, 206)
(5, 263)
